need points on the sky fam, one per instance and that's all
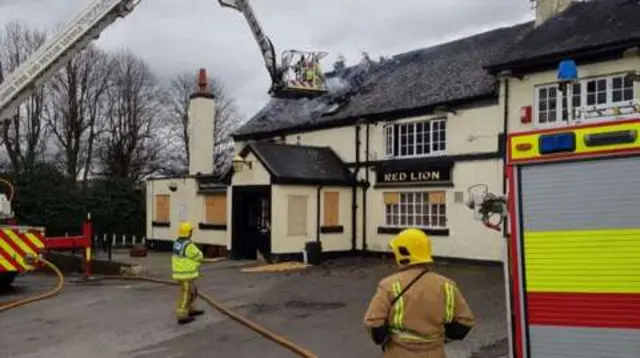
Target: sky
(178, 35)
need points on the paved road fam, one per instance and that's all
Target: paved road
(320, 309)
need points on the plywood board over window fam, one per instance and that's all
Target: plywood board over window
(331, 208)
(215, 209)
(297, 215)
(162, 208)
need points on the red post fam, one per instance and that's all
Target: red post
(87, 235)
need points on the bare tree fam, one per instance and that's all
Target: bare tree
(78, 100)
(227, 119)
(130, 143)
(24, 134)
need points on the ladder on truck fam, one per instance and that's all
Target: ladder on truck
(58, 50)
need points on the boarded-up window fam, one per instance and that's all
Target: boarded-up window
(215, 209)
(297, 215)
(163, 211)
(331, 208)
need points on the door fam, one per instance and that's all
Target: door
(251, 228)
(580, 254)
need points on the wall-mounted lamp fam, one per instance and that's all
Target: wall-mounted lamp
(173, 186)
(444, 110)
(239, 163)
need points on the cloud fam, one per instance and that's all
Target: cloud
(175, 35)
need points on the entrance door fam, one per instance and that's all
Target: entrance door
(580, 247)
(251, 222)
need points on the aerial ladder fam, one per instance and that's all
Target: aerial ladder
(298, 75)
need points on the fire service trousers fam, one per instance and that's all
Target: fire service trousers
(187, 298)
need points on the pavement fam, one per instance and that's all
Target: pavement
(320, 308)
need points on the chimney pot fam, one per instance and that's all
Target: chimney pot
(202, 81)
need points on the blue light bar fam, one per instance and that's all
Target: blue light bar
(567, 71)
(557, 143)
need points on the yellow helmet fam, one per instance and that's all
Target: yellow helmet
(185, 229)
(411, 247)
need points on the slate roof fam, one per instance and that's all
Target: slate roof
(424, 78)
(584, 26)
(301, 163)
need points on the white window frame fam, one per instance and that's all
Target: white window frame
(409, 211)
(390, 136)
(584, 96)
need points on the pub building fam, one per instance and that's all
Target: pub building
(349, 169)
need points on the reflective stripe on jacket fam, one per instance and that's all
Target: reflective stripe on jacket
(186, 260)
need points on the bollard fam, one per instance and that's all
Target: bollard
(113, 240)
(124, 240)
(133, 240)
(87, 233)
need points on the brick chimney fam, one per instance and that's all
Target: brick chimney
(546, 9)
(201, 127)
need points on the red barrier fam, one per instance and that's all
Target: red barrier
(75, 242)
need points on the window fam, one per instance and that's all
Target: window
(416, 209)
(415, 139)
(162, 212)
(215, 209)
(331, 208)
(297, 215)
(598, 92)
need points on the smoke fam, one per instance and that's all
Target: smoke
(337, 85)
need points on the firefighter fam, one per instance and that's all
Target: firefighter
(416, 310)
(185, 262)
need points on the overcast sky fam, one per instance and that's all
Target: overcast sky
(175, 35)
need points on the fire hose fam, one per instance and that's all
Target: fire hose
(282, 341)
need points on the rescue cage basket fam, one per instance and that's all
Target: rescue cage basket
(301, 71)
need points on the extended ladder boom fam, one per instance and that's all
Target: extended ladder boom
(58, 50)
(266, 47)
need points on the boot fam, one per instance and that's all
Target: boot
(196, 313)
(185, 320)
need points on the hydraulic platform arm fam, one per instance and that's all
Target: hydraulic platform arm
(298, 74)
(266, 47)
(58, 50)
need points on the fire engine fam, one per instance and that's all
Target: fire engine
(573, 259)
(298, 75)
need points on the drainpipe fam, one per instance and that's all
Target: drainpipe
(318, 213)
(505, 129)
(506, 266)
(364, 191)
(354, 192)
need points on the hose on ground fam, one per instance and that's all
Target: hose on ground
(40, 297)
(249, 324)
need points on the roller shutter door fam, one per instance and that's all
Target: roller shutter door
(581, 257)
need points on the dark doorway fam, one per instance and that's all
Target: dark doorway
(251, 222)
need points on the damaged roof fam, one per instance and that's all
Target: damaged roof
(301, 164)
(443, 74)
(583, 27)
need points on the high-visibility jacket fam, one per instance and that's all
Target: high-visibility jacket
(431, 310)
(186, 260)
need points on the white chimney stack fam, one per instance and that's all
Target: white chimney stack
(546, 9)
(201, 127)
